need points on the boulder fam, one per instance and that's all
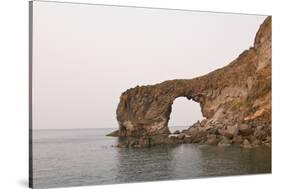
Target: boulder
(187, 139)
(203, 122)
(231, 131)
(197, 139)
(221, 131)
(246, 144)
(237, 139)
(192, 131)
(201, 132)
(224, 141)
(268, 139)
(268, 144)
(260, 133)
(212, 139)
(209, 128)
(181, 136)
(256, 142)
(245, 129)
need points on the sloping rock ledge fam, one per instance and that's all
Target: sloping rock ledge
(235, 100)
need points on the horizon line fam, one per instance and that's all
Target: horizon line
(91, 128)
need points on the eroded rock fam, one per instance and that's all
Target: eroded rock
(237, 94)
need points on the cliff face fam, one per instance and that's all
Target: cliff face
(234, 99)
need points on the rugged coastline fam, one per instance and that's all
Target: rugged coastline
(235, 101)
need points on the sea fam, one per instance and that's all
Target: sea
(80, 157)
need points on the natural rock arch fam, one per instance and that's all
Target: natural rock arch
(237, 94)
(146, 110)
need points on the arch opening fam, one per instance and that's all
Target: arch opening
(184, 113)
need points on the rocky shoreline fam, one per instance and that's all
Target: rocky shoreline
(235, 100)
(244, 135)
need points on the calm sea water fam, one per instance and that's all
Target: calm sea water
(86, 157)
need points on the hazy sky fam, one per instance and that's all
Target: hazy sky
(85, 56)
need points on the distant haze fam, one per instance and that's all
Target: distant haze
(85, 56)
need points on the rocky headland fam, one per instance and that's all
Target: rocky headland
(235, 101)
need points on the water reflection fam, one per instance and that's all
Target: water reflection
(189, 161)
(145, 164)
(224, 161)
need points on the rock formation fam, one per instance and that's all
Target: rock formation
(235, 100)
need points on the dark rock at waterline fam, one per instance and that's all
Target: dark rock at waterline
(246, 144)
(212, 139)
(237, 139)
(231, 131)
(245, 129)
(181, 136)
(150, 141)
(114, 133)
(187, 139)
(225, 141)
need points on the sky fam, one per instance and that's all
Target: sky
(85, 56)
